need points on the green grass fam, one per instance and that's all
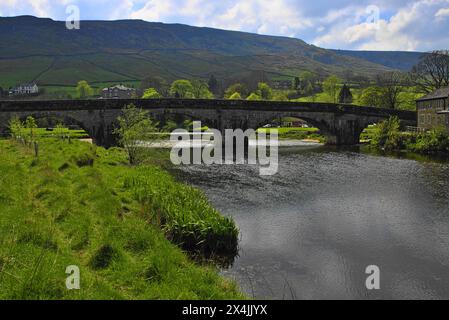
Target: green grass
(78, 204)
(75, 134)
(296, 133)
(289, 129)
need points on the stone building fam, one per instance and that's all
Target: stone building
(282, 84)
(118, 92)
(433, 109)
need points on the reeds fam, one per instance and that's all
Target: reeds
(183, 212)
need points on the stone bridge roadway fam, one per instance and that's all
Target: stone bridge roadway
(342, 124)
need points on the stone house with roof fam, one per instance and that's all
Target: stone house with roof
(433, 109)
(118, 92)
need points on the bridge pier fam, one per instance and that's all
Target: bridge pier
(345, 132)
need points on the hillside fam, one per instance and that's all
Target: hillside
(43, 50)
(401, 60)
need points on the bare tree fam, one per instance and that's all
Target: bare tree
(432, 71)
(391, 86)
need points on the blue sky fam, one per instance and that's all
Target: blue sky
(420, 25)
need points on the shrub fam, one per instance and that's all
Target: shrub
(387, 136)
(434, 141)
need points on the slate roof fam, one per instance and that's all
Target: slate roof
(437, 94)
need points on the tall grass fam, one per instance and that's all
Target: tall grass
(184, 212)
(72, 206)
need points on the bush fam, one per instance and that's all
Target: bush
(434, 141)
(387, 136)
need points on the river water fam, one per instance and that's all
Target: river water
(310, 231)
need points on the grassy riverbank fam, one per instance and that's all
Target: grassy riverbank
(387, 136)
(78, 204)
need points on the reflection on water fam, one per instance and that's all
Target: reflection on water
(310, 231)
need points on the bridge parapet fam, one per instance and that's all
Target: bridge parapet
(341, 123)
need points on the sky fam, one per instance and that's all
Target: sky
(421, 25)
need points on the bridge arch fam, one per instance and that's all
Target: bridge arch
(342, 124)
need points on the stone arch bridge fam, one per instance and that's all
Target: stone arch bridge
(342, 124)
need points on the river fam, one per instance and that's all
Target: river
(310, 231)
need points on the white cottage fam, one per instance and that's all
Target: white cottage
(26, 88)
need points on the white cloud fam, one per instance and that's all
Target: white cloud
(443, 12)
(410, 28)
(263, 16)
(153, 10)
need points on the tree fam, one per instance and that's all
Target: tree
(387, 135)
(84, 89)
(264, 91)
(371, 97)
(151, 93)
(236, 88)
(235, 96)
(432, 71)
(213, 85)
(254, 97)
(182, 89)
(1, 92)
(201, 90)
(16, 128)
(345, 95)
(391, 85)
(31, 125)
(158, 83)
(307, 83)
(330, 87)
(134, 128)
(296, 83)
(280, 96)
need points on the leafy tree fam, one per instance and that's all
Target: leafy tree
(158, 83)
(84, 89)
(201, 90)
(151, 93)
(264, 91)
(387, 135)
(371, 97)
(253, 97)
(16, 128)
(280, 96)
(345, 95)
(391, 85)
(307, 82)
(330, 87)
(235, 96)
(135, 128)
(239, 88)
(182, 89)
(432, 71)
(213, 85)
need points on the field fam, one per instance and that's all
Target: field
(78, 204)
